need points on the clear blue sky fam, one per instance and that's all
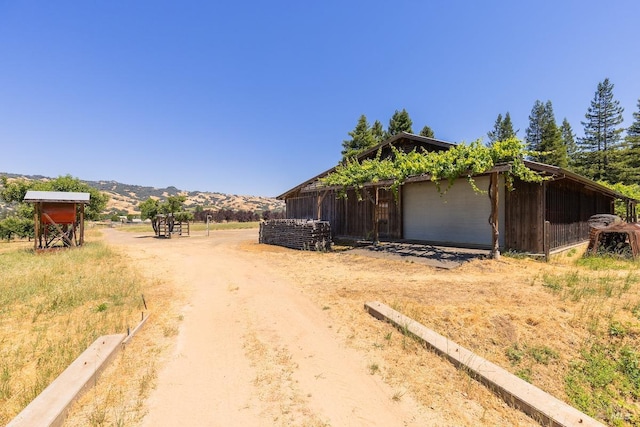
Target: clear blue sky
(254, 97)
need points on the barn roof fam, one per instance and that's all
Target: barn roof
(56, 197)
(556, 172)
(560, 173)
(371, 151)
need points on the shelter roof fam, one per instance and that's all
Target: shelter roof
(57, 197)
(314, 184)
(370, 152)
(560, 173)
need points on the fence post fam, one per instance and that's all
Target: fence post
(547, 240)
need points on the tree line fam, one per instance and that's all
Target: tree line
(20, 223)
(229, 215)
(364, 136)
(602, 154)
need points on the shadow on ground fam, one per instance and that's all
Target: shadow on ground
(434, 256)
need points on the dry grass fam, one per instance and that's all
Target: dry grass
(535, 319)
(118, 399)
(538, 320)
(52, 306)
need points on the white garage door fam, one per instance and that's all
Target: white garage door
(460, 216)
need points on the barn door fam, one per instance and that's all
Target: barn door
(383, 218)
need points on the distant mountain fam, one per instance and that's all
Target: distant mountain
(124, 198)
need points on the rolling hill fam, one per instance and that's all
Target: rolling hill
(124, 198)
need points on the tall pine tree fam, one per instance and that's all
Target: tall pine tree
(602, 136)
(569, 142)
(502, 130)
(427, 131)
(632, 150)
(544, 136)
(361, 139)
(377, 131)
(399, 122)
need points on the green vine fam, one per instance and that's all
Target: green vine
(459, 161)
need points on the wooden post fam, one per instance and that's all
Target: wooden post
(547, 240)
(319, 200)
(36, 226)
(375, 218)
(81, 224)
(494, 196)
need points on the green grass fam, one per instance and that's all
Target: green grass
(608, 262)
(52, 307)
(604, 380)
(576, 286)
(518, 353)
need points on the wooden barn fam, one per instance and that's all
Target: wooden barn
(532, 218)
(59, 218)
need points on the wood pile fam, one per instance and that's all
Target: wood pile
(299, 234)
(608, 234)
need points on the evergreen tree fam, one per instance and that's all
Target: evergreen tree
(533, 134)
(399, 122)
(427, 131)
(569, 142)
(377, 131)
(601, 142)
(361, 139)
(502, 130)
(506, 129)
(544, 137)
(494, 134)
(632, 150)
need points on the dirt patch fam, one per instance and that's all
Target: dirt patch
(272, 336)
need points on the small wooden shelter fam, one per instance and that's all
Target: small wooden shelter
(59, 218)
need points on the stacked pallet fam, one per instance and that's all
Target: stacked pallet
(299, 234)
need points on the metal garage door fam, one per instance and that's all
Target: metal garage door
(461, 216)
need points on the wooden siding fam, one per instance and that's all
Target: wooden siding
(569, 205)
(524, 217)
(303, 207)
(350, 217)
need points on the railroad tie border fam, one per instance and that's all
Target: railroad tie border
(538, 404)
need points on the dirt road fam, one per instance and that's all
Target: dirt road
(254, 351)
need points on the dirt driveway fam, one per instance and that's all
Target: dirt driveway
(244, 334)
(253, 351)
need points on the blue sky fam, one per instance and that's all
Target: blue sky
(255, 97)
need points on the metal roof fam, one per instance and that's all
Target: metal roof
(57, 197)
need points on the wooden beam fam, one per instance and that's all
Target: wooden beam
(547, 240)
(319, 201)
(36, 226)
(81, 224)
(376, 216)
(493, 220)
